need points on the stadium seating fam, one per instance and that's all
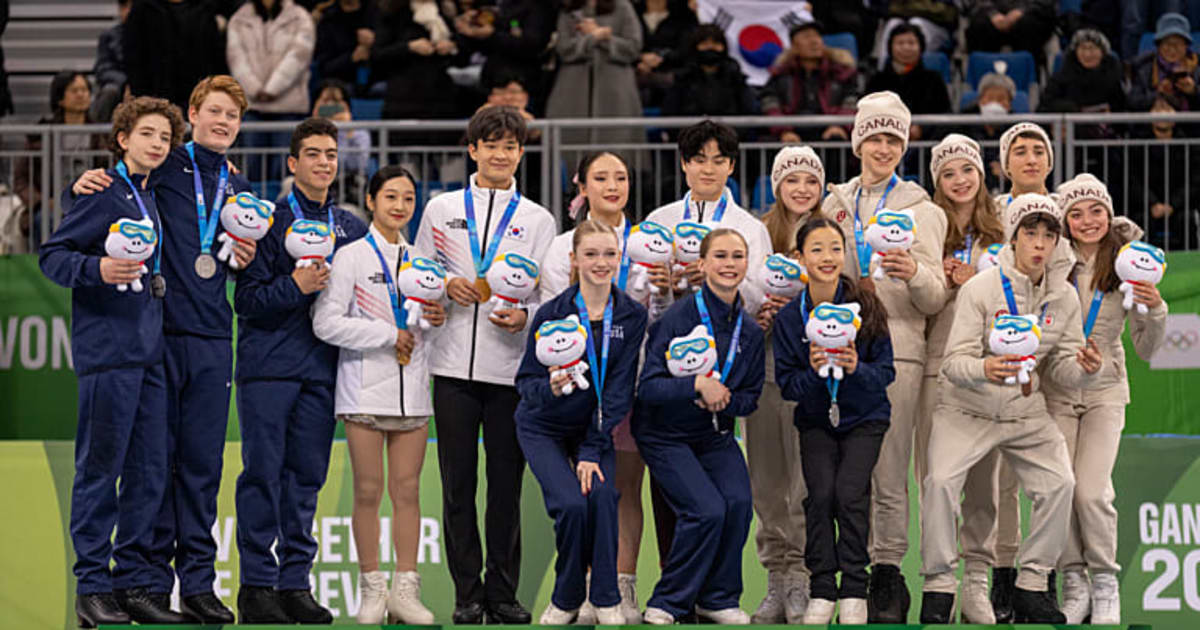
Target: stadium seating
(845, 41)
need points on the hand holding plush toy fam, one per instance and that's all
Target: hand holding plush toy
(560, 345)
(512, 279)
(833, 327)
(131, 240)
(1019, 335)
(1139, 262)
(781, 276)
(421, 281)
(649, 244)
(245, 218)
(688, 235)
(889, 230)
(310, 242)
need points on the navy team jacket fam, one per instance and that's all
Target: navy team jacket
(575, 414)
(862, 396)
(109, 328)
(275, 336)
(667, 403)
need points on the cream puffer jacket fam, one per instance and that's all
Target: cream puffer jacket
(272, 56)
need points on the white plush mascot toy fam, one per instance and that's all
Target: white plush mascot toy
(512, 279)
(1019, 335)
(1139, 262)
(560, 345)
(308, 241)
(781, 276)
(649, 244)
(132, 240)
(245, 218)
(889, 230)
(693, 354)
(688, 235)
(833, 327)
(421, 281)
(990, 257)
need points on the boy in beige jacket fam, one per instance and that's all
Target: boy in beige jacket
(914, 290)
(979, 413)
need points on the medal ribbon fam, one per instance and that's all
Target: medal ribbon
(598, 369)
(207, 224)
(484, 260)
(393, 294)
(715, 217)
(860, 242)
(123, 171)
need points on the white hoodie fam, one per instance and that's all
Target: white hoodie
(355, 313)
(472, 347)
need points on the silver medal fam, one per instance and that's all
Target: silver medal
(206, 266)
(835, 415)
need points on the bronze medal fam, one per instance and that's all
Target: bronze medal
(485, 290)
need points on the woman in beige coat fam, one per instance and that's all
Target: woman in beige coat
(914, 290)
(1091, 419)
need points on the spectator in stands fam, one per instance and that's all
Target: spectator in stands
(109, 69)
(1162, 192)
(345, 34)
(995, 99)
(809, 78)
(515, 37)
(1089, 80)
(710, 83)
(840, 16)
(936, 19)
(1101, 15)
(1170, 70)
(922, 90)
(1021, 24)
(170, 45)
(598, 43)
(354, 147)
(269, 51)
(1136, 16)
(508, 87)
(666, 28)
(413, 47)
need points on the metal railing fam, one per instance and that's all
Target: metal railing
(433, 150)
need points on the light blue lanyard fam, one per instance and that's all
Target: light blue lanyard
(964, 255)
(598, 368)
(1093, 310)
(484, 260)
(860, 242)
(831, 384)
(124, 173)
(733, 341)
(207, 224)
(717, 214)
(623, 274)
(393, 294)
(1012, 301)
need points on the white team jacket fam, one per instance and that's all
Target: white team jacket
(355, 313)
(471, 347)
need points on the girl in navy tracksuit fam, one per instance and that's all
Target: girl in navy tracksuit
(686, 438)
(567, 438)
(837, 459)
(117, 342)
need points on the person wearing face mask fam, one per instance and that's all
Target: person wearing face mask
(913, 290)
(995, 98)
(973, 224)
(772, 451)
(980, 413)
(710, 83)
(1091, 418)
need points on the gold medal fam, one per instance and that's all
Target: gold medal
(485, 291)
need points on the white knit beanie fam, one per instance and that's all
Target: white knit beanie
(793, 159)
(954, 147)
(1085, 187)
(1009, 136)
(1026, 205)
(880, 112)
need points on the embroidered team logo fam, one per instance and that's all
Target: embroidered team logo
(841, 216)
(516, 233)
(456, 224)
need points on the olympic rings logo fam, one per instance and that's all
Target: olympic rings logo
(1183, 340)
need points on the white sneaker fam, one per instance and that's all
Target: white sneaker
(555, 616)
(819, 612)
(372, 593)
(852, 610)
(609, 615)
(796, 600)
(770, 611)
(725, 616)
(404, 601)
(1106, 599)
(658, 617)
(587, 612)
(1076, 596)
(627, 585)
(976, 602)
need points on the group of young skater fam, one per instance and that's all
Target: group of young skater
(828, 433)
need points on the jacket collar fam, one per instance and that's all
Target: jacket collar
(501, 192)
(718, 309)
(381, 241)
(310, 208)
(906, 194)
(207, 159)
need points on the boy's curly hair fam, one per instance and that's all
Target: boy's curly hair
(127, 114)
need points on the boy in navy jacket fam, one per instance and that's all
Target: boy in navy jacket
(117, 349)
(285, 378)
(197, 322)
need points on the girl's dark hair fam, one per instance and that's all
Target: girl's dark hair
(381, 177)
(706, 32)
(872, 312)
(58, 89)
(603, 7)
(336, 84)
(901, 29)
(585, 164)
(1104, 275)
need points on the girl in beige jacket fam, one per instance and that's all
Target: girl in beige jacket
(914, 291)
(1091, 419)
(978, 413)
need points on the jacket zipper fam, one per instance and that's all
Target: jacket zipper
(487, 228)
(399, 257)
